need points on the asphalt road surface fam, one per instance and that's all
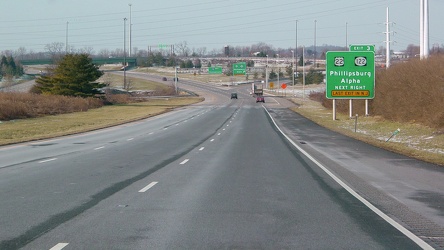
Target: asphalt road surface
(216, 175)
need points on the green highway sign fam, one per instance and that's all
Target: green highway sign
(350, 75)
(362, 47)
(239, 68)
(163, 46)
(215, 70)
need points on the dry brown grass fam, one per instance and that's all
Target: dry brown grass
(412, 92)
(57, 125)
(25, 105)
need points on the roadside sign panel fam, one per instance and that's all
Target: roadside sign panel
(362, 47)
(215, 70)
(239, 68)
(350, 75)
(284, 85)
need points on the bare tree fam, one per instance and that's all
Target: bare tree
(104, 53)
(86, 50)
(202, 51)
(55, 50)
(20, 53)
(183, 48)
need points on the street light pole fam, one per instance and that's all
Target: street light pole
(296, 48)
(266, 74)
(124, 53)
(66, 46)
(303, 73)
(130, 28)
(293, 70)
(314, 56)
(277, 64)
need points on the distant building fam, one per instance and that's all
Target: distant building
(399, 55)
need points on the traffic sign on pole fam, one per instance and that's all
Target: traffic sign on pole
(350, 75)
(362, 47)
(239, 68)
(215, 70)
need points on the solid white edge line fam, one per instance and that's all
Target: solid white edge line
(59, 246)
(184, 161)
(52, 159)
(392, 222)
(143, 190)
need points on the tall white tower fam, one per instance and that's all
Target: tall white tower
(424, 29)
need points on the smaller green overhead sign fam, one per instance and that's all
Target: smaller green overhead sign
(350, 75)
(362, 47)
(239, 68)
(163, 46)
(215, 70)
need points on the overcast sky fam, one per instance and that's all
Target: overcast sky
(213, 24)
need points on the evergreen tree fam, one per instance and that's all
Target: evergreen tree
(74, 75)
(8, 67)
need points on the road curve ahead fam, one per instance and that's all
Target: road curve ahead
(217, 176)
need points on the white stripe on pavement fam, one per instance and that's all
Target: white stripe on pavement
(59, 246)
(52, 159)
(184, 161)
(143, 190)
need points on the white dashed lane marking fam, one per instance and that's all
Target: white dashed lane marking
(59, 246)
(143, 190)
(52, 159)
(184, 161)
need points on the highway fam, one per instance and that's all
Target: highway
(221, 174)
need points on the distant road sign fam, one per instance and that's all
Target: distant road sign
(239, 68)
(215, 70)
(284, 85)
(362, 47)
(163, 46)
(271, 85)
(350, 75)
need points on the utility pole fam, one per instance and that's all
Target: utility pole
(387, 41)
(124, 53)
(296, 50)
(130, 28)
(314, 56)
(66, 45)
(424, 29)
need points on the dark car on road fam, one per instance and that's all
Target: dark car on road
(164, 78)
(233, 95)
(260, 98)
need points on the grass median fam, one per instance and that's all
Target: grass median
(16, 131)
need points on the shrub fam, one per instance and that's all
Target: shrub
(29, 105)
